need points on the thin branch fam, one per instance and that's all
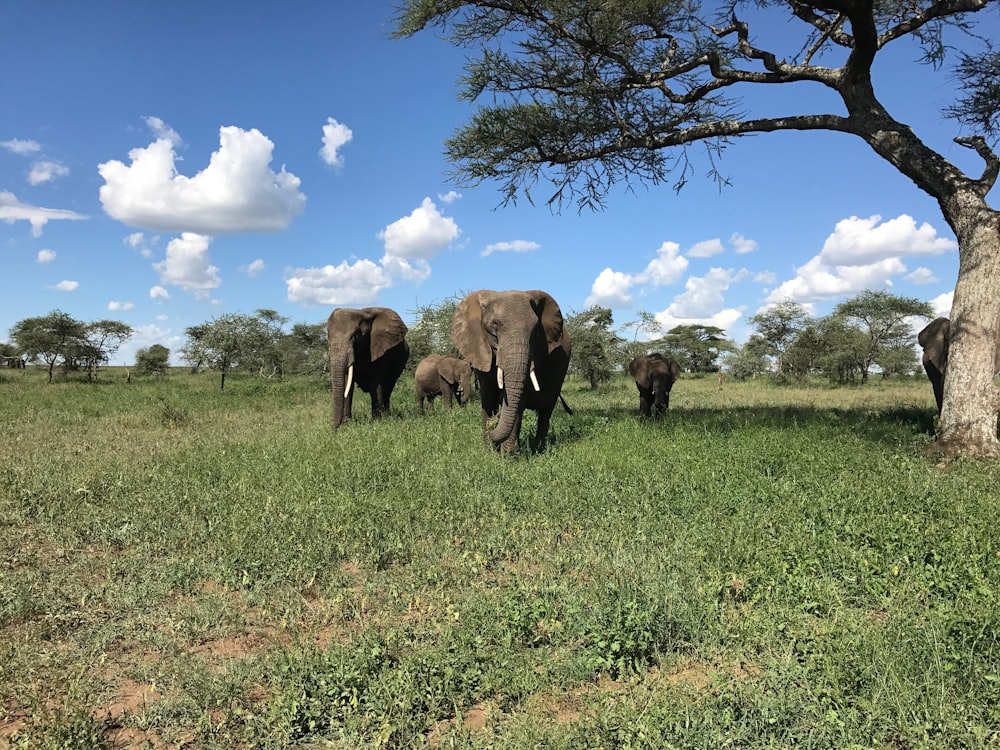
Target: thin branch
(989, 177)
(938, 10)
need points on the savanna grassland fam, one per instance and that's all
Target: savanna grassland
(765, 567)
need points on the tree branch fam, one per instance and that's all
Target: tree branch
(937, 10)
(989, 177)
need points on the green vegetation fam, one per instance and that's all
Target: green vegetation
(762, 568)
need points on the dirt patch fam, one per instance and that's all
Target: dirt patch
(132, 697)
(475, 719)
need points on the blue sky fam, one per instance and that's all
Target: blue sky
(163, 164)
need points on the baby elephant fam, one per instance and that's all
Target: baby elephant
(654, 376)
(443, 375)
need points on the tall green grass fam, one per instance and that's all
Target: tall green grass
(764, 567)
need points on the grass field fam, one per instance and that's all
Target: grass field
(765, 567)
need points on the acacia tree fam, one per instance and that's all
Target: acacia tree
(50, 338)
(586, 93)
(882, 317)
(595, 344)
(779, 325)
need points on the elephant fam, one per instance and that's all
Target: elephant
(445, 376)
(654, 376)
(519, 350)
(935, 340)
(368, 349)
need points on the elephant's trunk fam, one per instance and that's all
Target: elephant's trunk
(341, 368)
(515, 375)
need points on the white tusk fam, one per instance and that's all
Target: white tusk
(350, 381)
(500, 378)
(534, 380)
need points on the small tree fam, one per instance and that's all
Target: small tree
(153, 360)
(697, 347)
(779, 326)
(883, 318)
(748, 360)
(50, 338)
(101, 340)
(304, 350)
(595, 345)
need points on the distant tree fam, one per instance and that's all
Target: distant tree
(153, 360)
(748, 360)
(779, 326)
(841, 346)
(697, 347)
(431, 333)
(230, 342)
(304, 350)
(883, 317)
(590, 93)
(101, 341)
(595, 344)
(194, 351)
(649, 329)
(270, 348)
(51, 338)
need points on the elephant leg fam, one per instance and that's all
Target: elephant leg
(542, 432)
(510, 444)
(644, 402)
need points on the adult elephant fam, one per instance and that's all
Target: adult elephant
(519, 349)
(443, 375)
(934, 339)
(368, 349)
(654, 376)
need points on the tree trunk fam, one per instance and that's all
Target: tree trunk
(968, 423)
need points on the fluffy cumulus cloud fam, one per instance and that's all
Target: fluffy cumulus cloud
(347, 284)
(21, 147)
(46, 171)
(114, 306)
(67, 286)
(742, 245)
(450, 197)
(159, 292)
(723, 319)
(335, 135)
(706, 248)
(861, 254)
(613, 288)
(942, 304)
(11, 210)
(516, 246)
(409, 243)
(255, 268)
(703, 295)
(46, 256)
(922, 276)
(187, 265)
(237, 192)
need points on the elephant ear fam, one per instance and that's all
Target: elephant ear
(549, 315)
(388, 330)
(468, 334)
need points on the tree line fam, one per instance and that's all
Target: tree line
(869, 332)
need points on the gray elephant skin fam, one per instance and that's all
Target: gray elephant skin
(934, 339)
(519, 350)
(654, 376)
(443, 375)
(367, 349)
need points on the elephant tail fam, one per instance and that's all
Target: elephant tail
(565, 405)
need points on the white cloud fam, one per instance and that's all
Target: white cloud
(666, 268)
(67, 286)
(450, 197)
(706, 249)
(46, 256)
(702, 297)
(114, 306)
(236, 192)
(187, 265)
(422, 234)
(46, 171)
(356, 283)
(922, 276)
(141, 244)
(255, 268)
(21, 148)
(335, 135)
(516, 246)
(162, 131)
(942, 304)
(857, 241)
(861, 254)
(610, 289)
(158, 292)
(723, 319)
(409, 270)
(765, 277)
(741, 244)
(11, 210)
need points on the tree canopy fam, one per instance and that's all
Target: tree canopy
(585, 94)
(59, 338)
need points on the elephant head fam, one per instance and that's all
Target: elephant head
(935, 339)
(654, 376)
(519, 349)
(443, 375)
(368, 349)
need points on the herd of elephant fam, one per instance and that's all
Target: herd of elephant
(515, 344)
